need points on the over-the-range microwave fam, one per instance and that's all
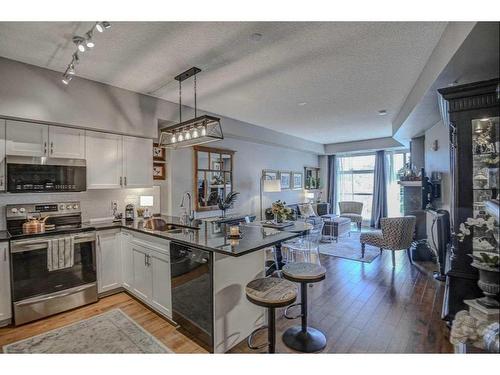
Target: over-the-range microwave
(45, 175)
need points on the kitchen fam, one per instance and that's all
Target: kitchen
(80, 169)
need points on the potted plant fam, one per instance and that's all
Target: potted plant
(487, 263)
(227, 202)
(280, 211)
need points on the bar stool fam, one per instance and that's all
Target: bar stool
(301, 337)
(269, 292)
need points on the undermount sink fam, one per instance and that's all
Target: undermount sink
(156, 223)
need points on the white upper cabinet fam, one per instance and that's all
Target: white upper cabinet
(37, 140)
(137, 162)
(5, 300)
(66, 143)
(2, 155)
(104, 160)
(27, 139)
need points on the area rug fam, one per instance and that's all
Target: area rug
(111, 332)
(349, 247)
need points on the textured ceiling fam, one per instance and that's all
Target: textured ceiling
(345, 72)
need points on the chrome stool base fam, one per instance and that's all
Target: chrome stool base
(310, 341)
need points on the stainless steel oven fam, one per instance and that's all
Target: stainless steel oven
(51, 274)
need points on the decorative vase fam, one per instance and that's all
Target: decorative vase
(489, 283)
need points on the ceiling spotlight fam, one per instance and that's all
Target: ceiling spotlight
(89, 43)
(302, 104)
(101, 26)
(382, 112)
(79, 41)
(66, 78)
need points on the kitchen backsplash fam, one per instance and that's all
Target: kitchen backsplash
(94, 203)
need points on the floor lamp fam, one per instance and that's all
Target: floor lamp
(268, 186)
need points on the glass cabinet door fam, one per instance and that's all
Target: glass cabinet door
(485, 176)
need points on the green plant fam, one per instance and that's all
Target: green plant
(280, 210)
(228, 201)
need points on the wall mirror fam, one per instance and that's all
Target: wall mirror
(213, 176)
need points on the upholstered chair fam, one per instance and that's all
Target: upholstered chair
(396, 234)
(352, 210)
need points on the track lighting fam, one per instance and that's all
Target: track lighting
(82, 44)
(89, 43)
(66, 78)
(79, 41)
(101, 26)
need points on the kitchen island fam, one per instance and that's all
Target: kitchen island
(208, 274)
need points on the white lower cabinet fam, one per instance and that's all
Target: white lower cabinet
(109, 272)
(142, 284)
(146, 270)
(161, 294)
(5, 299)
(127, 261)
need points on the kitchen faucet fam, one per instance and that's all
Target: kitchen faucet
(190, 211)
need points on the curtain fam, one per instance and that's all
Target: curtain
(379, 203)
(331, 196)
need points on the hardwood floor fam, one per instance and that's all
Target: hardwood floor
(361, 308)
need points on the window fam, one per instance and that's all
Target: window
(395, 161)
(355, 180)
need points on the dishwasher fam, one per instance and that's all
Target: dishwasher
(192, 292)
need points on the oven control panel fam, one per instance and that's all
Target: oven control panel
(20, 211)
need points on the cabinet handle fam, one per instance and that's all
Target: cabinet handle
(1, 181)
(145, 260)
(121, 180)
(5, 254)
(51, 147)
(45, 148)
(125, 180)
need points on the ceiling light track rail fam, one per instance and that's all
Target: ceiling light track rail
(83, 43)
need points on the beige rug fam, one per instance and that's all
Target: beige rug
(349, 247)
(111, 332)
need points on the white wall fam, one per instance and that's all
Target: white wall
(94, 203)
(439, 161)
(249, 161)
(32, 93)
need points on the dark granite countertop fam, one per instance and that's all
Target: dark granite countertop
(208, 235)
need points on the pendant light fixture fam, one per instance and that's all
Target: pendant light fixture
(198, 130)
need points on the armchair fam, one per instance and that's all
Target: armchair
(352, 210)
(396, 234)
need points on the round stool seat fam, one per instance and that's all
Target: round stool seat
(304, 272)
(271, 292)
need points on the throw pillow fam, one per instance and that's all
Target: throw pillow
(307, 210)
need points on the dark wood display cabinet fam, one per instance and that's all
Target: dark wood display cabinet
(474, 111)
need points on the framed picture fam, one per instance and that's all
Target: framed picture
(286, 180)
(297, 180)
(269, 174)
(159, 171)
(158, 152)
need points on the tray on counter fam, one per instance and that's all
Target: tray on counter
(270, 224)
